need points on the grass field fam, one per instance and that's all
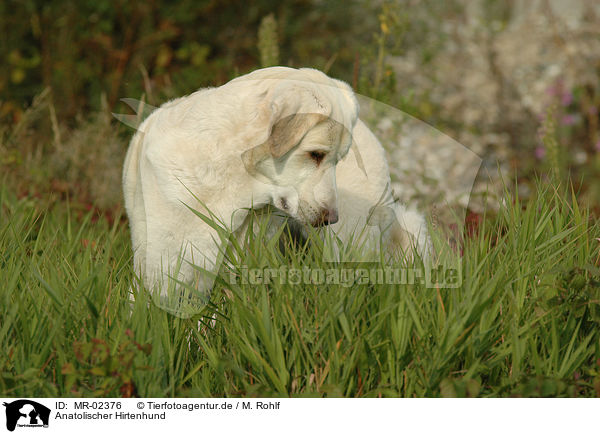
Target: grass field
(524, 322)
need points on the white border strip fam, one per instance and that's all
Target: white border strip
(245, 415)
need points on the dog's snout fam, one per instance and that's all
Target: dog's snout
(332, 216)
(327, 217)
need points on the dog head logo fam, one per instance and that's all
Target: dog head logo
(26, 413)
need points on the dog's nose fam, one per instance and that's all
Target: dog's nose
(332, 216)
(327, 217)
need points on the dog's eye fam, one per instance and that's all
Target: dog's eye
(317, 156)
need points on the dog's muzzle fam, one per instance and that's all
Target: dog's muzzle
(327, 217)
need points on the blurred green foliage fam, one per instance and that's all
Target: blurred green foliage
(267, 42)
(84, 49)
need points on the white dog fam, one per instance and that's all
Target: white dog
(272, 137)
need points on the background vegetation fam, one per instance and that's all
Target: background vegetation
(515, 81)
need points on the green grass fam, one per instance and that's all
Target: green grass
(524, 322)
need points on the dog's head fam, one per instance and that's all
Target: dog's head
(308, 120)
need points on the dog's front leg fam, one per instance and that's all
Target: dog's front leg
(182, 264)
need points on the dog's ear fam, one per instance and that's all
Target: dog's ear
(285, 134)
(288, 131)
(292, 110)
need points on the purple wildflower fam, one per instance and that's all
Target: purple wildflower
(566, 99)
(568, 120)
(540, 152)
